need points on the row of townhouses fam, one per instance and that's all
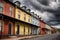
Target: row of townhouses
(19, 21)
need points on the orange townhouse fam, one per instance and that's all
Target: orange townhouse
(6, 18)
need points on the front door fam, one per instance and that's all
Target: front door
(9, 28)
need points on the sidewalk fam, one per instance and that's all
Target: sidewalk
(20, 38)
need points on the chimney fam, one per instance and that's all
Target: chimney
(17, 3)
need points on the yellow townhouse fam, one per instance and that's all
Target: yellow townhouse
(23, 27)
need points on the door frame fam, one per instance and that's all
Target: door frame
(10, 29)
(16, 28)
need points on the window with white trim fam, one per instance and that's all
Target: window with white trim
(1, 7)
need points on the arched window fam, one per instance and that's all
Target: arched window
(1, 7)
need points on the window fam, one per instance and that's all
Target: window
(10, 11)
(29, 19)
(33, 22)
(18, 14)
(1, 7)
(9, 28)
(24, 17)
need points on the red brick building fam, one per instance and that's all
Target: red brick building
(42, 27)
(46, 29)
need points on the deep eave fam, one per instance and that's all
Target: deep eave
(14, 19)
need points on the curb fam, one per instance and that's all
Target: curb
(22, 38)
(31, 37)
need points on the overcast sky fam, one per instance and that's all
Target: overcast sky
(47, 9)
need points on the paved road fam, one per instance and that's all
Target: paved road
(47, 37)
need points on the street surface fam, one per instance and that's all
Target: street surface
(46, 37)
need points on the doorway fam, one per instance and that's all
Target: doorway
(9, 28)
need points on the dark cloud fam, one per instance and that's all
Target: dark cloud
(44, 2)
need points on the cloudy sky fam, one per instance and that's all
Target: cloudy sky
(48, 10)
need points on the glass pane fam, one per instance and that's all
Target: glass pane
(18, 16)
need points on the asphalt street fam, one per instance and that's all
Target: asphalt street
(46, 37)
